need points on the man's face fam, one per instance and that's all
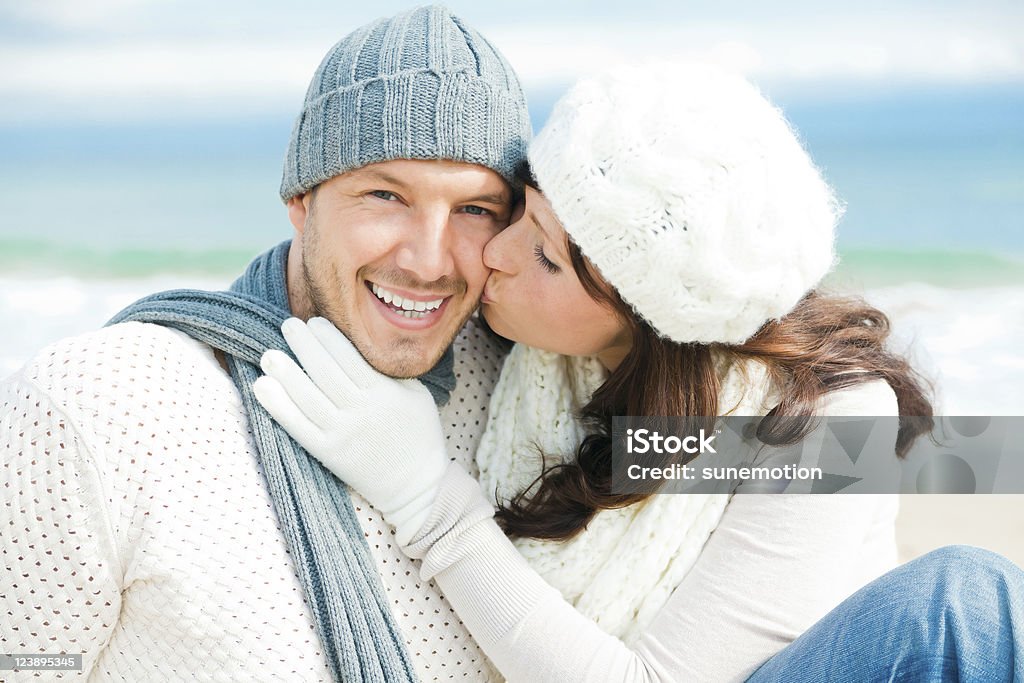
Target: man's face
(406, 232)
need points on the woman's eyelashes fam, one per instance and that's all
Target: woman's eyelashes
(544, 261)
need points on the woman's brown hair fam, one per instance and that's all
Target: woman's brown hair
(824, 344)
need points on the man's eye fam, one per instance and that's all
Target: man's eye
(385, 195)
(477, 211)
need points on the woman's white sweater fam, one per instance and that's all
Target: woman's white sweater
(773, 565)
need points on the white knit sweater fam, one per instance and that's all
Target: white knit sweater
(135, 526)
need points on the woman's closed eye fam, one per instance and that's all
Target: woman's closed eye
(544, 261)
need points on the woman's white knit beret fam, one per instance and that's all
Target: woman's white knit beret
(691, 195)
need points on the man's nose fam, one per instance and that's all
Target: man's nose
(427, 250)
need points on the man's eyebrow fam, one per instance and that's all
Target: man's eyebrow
(374, 174)
(489, 199)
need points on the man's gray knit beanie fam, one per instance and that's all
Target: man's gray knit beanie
(419, 85)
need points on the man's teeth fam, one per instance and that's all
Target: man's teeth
(408, 307)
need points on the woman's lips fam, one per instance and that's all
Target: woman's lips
(485, 296)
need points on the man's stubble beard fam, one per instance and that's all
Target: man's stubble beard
(316, 276)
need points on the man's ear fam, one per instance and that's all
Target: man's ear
(297, 211)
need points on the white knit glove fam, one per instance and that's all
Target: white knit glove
(379, 435)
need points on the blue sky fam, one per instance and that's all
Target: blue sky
(145, 60)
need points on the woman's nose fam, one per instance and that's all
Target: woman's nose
(499, 253)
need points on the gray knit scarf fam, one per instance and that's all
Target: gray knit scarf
(339, 576)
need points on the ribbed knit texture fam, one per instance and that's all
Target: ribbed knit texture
(360, 638)
(691, 195)
(419, 85)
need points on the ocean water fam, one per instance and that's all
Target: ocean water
(92, 217)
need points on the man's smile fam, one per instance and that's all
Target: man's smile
(408, 310)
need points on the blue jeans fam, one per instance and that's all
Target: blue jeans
(955, 614)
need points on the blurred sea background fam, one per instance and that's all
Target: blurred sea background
(141, 145)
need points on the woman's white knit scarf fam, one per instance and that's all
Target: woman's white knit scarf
(621, 570)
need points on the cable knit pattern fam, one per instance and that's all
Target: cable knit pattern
(136, 527)
(533, 413)
(691, 194)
